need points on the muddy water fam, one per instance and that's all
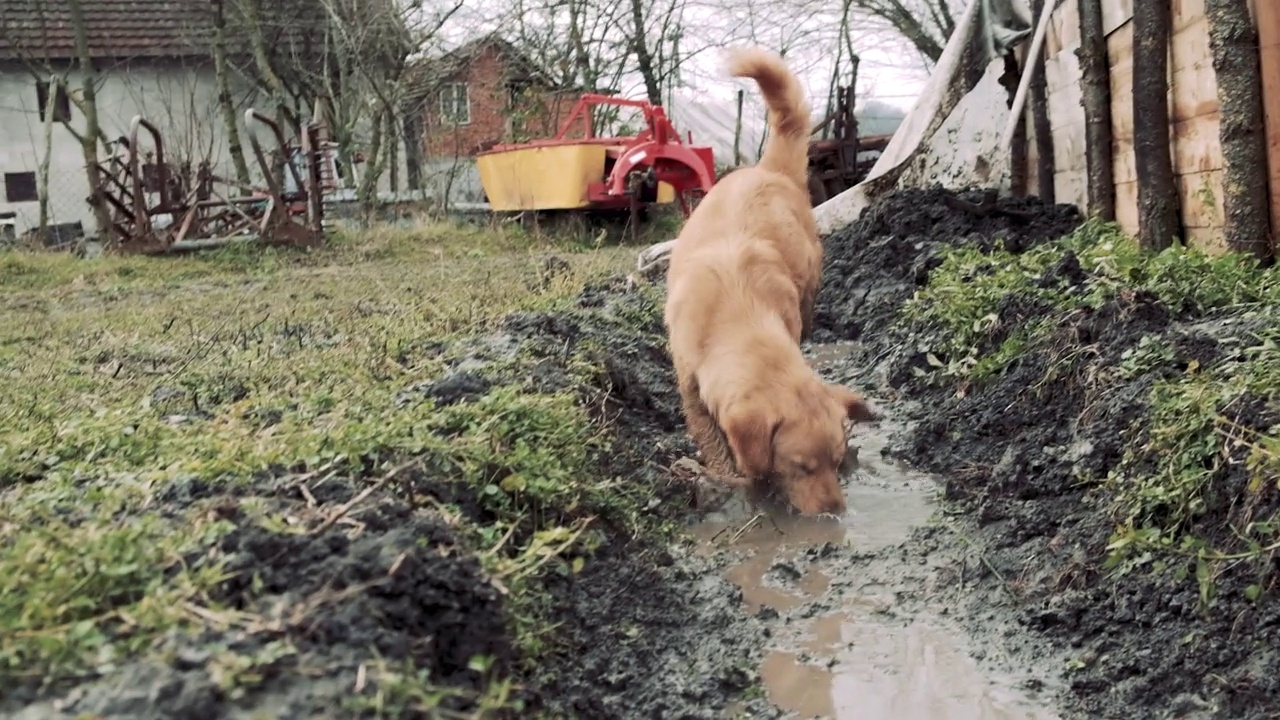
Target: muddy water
(856, 636)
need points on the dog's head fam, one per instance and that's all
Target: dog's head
(800, 441)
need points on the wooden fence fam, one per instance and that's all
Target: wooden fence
(1194, 114)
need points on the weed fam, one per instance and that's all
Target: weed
(122, 376)
(407, 691)
(1195, 488)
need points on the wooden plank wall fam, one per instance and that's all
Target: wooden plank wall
(1066, 116)
(1193, 103)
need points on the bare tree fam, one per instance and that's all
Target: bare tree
(1232, 37)
(226, 103)
(1157, 189)
(56, 76)
(42, 174)
(372, 43)
(89, 106)
(1095, 81)
(925, 24)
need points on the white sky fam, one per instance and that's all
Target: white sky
(889, 72)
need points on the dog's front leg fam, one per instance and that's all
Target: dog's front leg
(707, 436)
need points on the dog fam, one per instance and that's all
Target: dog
(769, 200)
(740, 285)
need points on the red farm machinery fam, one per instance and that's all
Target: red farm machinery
(577, 170)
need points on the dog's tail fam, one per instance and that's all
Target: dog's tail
(787, 149)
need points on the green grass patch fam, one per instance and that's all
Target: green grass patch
(1173, 495)
(960, 306)
(120, 376)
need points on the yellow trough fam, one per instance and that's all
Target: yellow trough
(546, 177)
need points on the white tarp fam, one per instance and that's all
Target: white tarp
(952, 135)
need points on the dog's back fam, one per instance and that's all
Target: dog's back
(718, 286)
(769, 202)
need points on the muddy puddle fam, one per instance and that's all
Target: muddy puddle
(856, 636)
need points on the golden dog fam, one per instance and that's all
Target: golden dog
(740, 288)
(770, 200)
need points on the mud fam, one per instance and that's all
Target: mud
(858, 629)
(875, 264)
(1011, 457)
(971, 593)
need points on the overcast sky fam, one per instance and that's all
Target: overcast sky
(888, 72)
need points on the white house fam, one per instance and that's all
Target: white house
(151, 58)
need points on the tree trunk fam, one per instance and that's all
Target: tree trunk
(92, 128)
(1095, 84)
(42, 189)
(1018, 148)
(1157, 187)
(393, 152)
(262, 61)
(644, 58)
(374, 162)
(737, 132)
(222, 75)
(1038, 104)
(412, 129)
(1246, 207)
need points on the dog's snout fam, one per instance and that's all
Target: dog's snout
(834, 506)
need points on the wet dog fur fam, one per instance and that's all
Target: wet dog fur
(740, 287)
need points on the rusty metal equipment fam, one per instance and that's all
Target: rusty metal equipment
(576, 170)
(833, 163)
(156, 207)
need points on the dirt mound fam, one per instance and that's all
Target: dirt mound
(353, 594)
(1094, 401)
(1030, 457)
(872, 266)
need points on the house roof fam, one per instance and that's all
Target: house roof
(122, 29)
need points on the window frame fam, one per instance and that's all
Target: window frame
(9, 186)
(61, 101)
(450, 105)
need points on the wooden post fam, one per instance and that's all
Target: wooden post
(1268, 17)
(1095, 84)
(1039, 102)
(1242, 133)
(1158, 222)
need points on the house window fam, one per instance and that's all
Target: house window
(455, 104)
(20, 187)
(61, 103)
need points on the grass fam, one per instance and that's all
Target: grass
(121, 376)
(1169, 490)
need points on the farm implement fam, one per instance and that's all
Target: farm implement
(576, 170)
(155, 206)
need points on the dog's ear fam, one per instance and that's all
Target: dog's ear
(856, 407)
(750, 436)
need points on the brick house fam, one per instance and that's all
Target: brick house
(486, 92)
